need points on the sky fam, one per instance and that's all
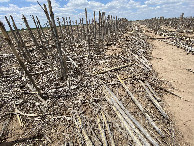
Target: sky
(130, 9)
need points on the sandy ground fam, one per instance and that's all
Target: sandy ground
(175, 66)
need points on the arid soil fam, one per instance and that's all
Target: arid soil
(59, 125)
(175, 66)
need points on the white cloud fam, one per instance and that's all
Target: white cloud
(35, 1)
(157, 7)
(169, 2)
(10, 8)
(1, 1)
(159, 2)
(129, 9)
(82, 4)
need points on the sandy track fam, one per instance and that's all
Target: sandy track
(175, 66)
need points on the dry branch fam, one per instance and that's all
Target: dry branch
(62, 58)
(17, 41)
(128, 128)
(154, 100)
(153, 92)
(113, 69)
(79, 124)
(141, 108)
(123, 112)
(101, 132)
(108, 129)
(30, 32)
(138, 125)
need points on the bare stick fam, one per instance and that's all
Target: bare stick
(42, 51)
(94, 26)
(114, 68)
(62, 60)
(124, 115)
(64, 23)
(60, 29)
(154, 100)
(139, 126)
(84, 36)
(49, 20)
(79, 125)
(108, 129)
(86, 21)
(104, 141)
(38, 22)
(37, 28)
(141, 60)
(127, 127)
(20, 61)
(20, 37)
(17, 41)
(40, 6)
(21, 113)
(99, 24)
(153, 92)
(141, 108)
(30, 31)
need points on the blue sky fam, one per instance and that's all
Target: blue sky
(130, 9)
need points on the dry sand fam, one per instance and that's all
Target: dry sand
(175, 66)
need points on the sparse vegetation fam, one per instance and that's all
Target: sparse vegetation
(86, 84)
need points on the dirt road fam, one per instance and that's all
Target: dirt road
(175, 66)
